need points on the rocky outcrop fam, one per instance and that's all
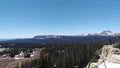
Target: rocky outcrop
(109, 56)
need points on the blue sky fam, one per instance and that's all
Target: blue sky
(27, 18)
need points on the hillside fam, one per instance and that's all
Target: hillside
(109, 57)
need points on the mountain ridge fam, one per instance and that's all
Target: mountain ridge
(52, 39)
(103, 33)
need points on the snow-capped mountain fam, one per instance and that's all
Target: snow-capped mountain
(82, 38)
(107, 33)
(93, 34)
(104, 33)
(47, 36)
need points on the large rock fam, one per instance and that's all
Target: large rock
(109, 55)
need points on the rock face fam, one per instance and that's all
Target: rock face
(109, 56)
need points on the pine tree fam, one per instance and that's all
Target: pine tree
(44, 61)
(110, 41)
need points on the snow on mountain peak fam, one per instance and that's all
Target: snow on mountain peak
(107, 33)
(104, 33)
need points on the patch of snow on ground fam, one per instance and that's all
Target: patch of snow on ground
(109, 65)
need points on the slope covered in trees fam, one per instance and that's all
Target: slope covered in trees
(59, 55)
(65, 56)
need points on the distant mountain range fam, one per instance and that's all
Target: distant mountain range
(51, 39)
(104, 33)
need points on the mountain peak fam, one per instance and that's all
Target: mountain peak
(103, 33)
(107, 32)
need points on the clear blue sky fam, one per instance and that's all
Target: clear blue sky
(27, 18)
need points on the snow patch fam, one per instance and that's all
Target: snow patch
(107, 64)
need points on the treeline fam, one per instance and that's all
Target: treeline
(59, 55)
(65, 56)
